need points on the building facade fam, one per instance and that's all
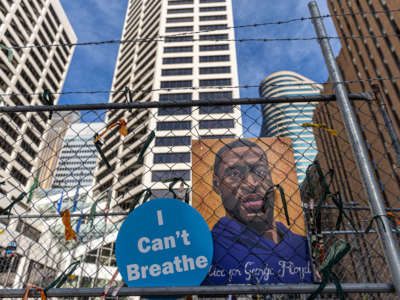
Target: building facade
(285, 119)
(365, 62)
(30, 71)
(168, 70)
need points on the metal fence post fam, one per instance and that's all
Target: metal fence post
(377, 208)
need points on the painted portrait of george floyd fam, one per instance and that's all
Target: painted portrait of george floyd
(235, 189)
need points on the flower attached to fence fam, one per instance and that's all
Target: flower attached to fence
(333, 132)
(66, 219)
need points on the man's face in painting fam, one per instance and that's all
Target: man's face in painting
(243, 180)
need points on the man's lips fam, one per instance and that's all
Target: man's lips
(253, 202)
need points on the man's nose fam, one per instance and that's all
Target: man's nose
(251, 179)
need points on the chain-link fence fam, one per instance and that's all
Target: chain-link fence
(278, 206)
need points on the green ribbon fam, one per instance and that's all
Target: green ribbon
(93, 212)
(369, 227)
(283, 198)
(174, 181)
(337, 251)
(128, 95)
(60, 280)
(147, 194)
(48, 98)
(337, 200)
(146, 144)
(33, 187)
(98, 145)
(9, 207)
(10, 53)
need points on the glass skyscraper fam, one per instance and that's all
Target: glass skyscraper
(285, 119)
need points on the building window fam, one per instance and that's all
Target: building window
(215, 82)
(215, 70)
(213, 37)
(178, 49)
(180, 2)
(214, 58)
(213, 18)
(18, 176)
(210, 124)
(184, 125)
(213, 27)
(177, 60)
(28, 231)
(180, 11)
(169, 158)
(214, 47)
(177, 39)
(180, 20)
(179, 29)
(176, 84)
(216, 8)
(173, 141)
(163, 111)
(164, 175)
(177, 72)
(210, 96)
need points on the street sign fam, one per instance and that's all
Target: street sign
(164, 242)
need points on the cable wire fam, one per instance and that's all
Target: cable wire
(247, 86)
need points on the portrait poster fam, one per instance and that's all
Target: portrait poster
(237, 186)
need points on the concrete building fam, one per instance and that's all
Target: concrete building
(285, 119)
(167, 70)
(31, 70)
(364, 62)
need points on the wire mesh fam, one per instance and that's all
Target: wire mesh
(240, 186)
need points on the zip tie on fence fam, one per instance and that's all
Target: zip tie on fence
(333, 132)
(10, 53)
(147, 194)
(66, 219)
(9, 207)
(48, 98)
(336, 252)
(109, 284)
(98, 145)
(128, 95)
(377, 217)
(29, 287)
(60, 280)
(283, 198)
(146, 144)
(337, 200)
(173, 182)
(34, 186)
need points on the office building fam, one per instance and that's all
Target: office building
(167, 71)
(31, 70)
(78, 157)
(285, 119)
(364, 62)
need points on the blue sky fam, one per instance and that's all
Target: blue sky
(92, 67)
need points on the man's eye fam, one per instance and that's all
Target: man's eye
(261, 172)
(234, 173)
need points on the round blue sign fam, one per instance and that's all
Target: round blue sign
(164, 242)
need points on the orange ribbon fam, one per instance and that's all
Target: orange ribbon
(29, 287)
(396, 218)
(323, 125)
(66, 219)
(122, 130)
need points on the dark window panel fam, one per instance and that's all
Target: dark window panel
(165, 158)
(210, 124)
(163, 175)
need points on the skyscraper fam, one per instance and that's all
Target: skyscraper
(28, 71)
(285, 119)
(167, 70)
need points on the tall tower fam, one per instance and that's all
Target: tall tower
(30, 71)
(167, 70)
(285, 119)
